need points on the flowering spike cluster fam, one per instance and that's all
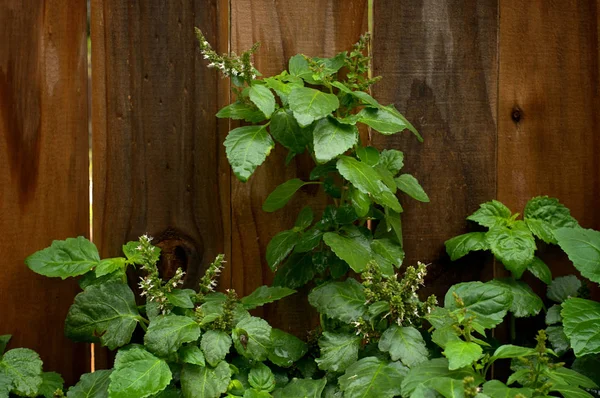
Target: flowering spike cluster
(209, 280)
(230, 65)
(358, 66)
(405, 306)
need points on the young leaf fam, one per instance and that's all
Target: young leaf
(553, 315)
(287, 348)
(304, 219)
(192, 354)
(461, 354)
(261, 377)
(544, 215)
(525, 302)
(513, 245)
(338, 351)
(331, 138)
(372, 377)
(282, 194)
(264, 295)
(181, 298)
(558, 339)
(410, 186)
(352, 249)
(204, 381)
(65, 258)
(91, 385)
(137, 373)
(581, 322)
(263, 98)
(24, 367)
(280, 247)
(285, 129)
(563, 288)
(488, 303)
(306, 388)
(215, 344)
(583, 248)
(339, 300)
(512, 351)
(241, 111)
(309, 104)
(105, 310)
(461, 245)
(392, 160)
(491, 214)
(405, 344)
(252, 338)
(368, 155)
(167, 333)
(540, 270)
(247, 148)
(51, 381)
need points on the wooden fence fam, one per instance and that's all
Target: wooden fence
(505, 93)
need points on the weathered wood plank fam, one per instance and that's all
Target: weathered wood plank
(284, 28)
(43, 169)
(439, 63)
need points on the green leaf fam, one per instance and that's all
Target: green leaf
(497, 389)
(4, 339)
(204, 381)
(261, 377)
(360, 201)
(304, 219)
(488, 303)
(241, 111)
(302, 388)
(405, 344)
(563, 288)
(368, 155)
(383, 120)
(544, 215)
(285, 129)
(588, 366)
(581, 321)
(256, 394)
(282, 194)
(215, 344)
(558, 339)
(491, 214)
(105, 310)
(296, 271)
(339, 300)
(368, 181)
(583, 248)
(461, 354)
(571, 391)
(24, 367)
(192, 354)
(540, 270)
(309, 240)
(167, 333)
(351, 249)
(252, 338)
(280, 247)
(426, 372)
(448, 387)
(247, 148)
(331, 138)
(264, 295)
(138, 373)
(338, 351)
(409, 185)
(263, 98)
(389, 250)
(110, 265)
(181, 298)
(372, 377)
(91, 385)
(461, 245)
(65, 258)
(309, 104)
(392, 160)
(513, 246)
(51, 381)
(553, 315)
(287, 349)
(512, 351)
(525, 302)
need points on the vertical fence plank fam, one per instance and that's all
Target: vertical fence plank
(284, 28)
(156, 145)
(439, 63)
(43, 169)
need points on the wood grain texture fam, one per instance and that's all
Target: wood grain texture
(43, 170)
(438, 60)
(284, 28)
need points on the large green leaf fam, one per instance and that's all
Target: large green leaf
(581, 322)
(339, 300)
(263, 98)
(280, 247)
(354, 249)
(389, 250)
(405, 344)
(462, 353)
(497, 389)
(24, 367)
(309, 104)
(215, 344)
(563, 288)
(302, 388)
(513, 245)
(264, 295)
(372, 377)
(368, 181)
(540, 270)
(525, 302)
(137, 373)
(242, 111)
(91, 385)
(384, 120)
(167, 333)
(247, 148)
(486, 302)
(286, 348)
(204, 381)
(105, 310)
(424, 373)
(285, 129)
(282, 194)
(252, 338)
(544, 215)
(448, 387)
(460, 245)
(338, 351)
(65, 258)
(491, 214)
(583, 248)
(410, 186)
(51, 381)
(331, 138)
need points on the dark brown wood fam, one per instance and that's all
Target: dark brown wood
(43, 170)
(157, 149)
(439, 66)
(284, 28)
